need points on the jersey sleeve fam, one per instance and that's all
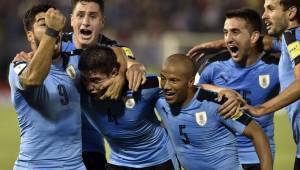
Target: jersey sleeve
(206, 75)
(15, 70)
(292, 39)
(238, 123)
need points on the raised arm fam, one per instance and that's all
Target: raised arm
(211, 46)
(37, 70)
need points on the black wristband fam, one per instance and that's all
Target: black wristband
(52, 32)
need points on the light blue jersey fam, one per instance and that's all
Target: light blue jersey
(201, 137)
(257, 84)
(49, 120)
(130, 126)
(92, 140)
(288, 60)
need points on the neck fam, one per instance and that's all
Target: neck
(252, 57)
(190, 94)
(293, 24)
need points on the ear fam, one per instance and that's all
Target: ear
(72, 20)
(292, 13)
(30, 39)
(30, 36)
(254, 37)
(102, 22)
(191, 82)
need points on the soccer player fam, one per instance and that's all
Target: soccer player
(129, 124)
(202, 138)
(45, 98)
(87, 21)
(278, 16)
(249, 71)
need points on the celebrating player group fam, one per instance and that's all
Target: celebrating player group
(74, 90)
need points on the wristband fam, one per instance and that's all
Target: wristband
(52, 32)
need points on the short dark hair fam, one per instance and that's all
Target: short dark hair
(250, 15)
(289, 3)
(99, 2)
(97, 57)
(31, 13)
(252, 18)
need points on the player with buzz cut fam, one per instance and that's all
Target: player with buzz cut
(129, 124)
(249, 71)
(202, 138)
(45, 98)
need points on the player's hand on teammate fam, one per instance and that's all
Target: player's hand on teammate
(23, 56)
(254, 111)
(231, 107)
(114, 87)
(54, 19)
(212, 46)
(136, 76)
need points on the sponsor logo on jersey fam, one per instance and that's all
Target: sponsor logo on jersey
(71, 71)
(201, 118)
(264, 81)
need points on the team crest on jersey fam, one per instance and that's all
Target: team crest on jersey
(264, 81)
(201, 118)
(71, 71)
(130, 103)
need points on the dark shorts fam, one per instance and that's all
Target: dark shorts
(251, 166)
(94, 160)
(164, 166)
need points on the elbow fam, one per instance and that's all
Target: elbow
(32, 81)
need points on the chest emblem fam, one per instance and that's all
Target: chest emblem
(130, 103)
(201, 118)
(71, 71)
(264, 81)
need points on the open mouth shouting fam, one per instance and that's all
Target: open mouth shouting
(234, 50)
(86, 34)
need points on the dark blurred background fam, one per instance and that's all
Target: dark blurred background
(124, 20)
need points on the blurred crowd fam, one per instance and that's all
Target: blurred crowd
(123, 19)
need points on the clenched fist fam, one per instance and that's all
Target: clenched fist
(55, 20)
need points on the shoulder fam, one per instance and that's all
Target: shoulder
(107, 41)
(291, 35)
(151, 82)
(267, 58)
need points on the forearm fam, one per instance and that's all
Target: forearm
(212, 88)
(261, 144)
(121, 58)
(38, 68)
(286, 97)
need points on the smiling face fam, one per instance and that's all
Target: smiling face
(87, 22)
(237, 37)
(275, 17)
(176, 82)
